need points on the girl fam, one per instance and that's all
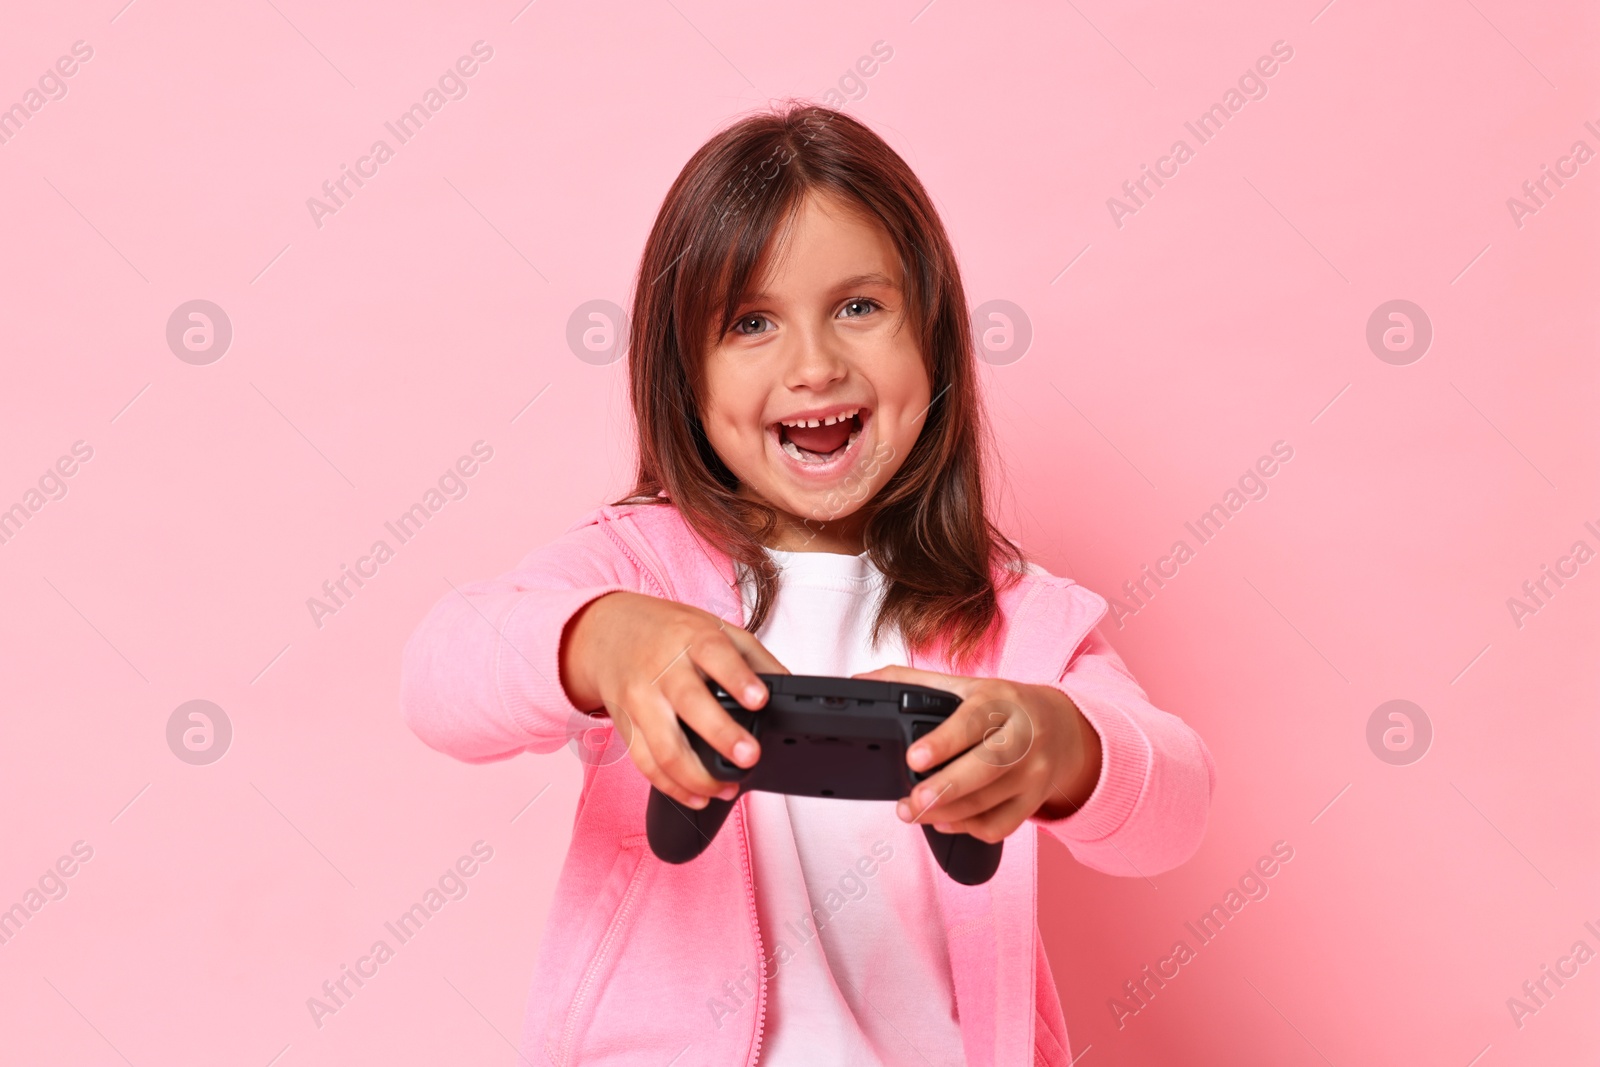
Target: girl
(810, 498)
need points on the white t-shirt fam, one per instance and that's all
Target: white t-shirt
(858, 968)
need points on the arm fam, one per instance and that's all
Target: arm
(481, 674)
(1147, 812)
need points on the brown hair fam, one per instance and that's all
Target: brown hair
(926, 530)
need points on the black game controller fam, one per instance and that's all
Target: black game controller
(822, 737)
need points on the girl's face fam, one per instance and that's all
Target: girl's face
(816, 393)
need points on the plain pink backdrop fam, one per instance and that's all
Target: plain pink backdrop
(369, 353)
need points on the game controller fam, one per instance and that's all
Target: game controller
(822, 737)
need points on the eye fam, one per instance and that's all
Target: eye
(740, 323)
(861, 301)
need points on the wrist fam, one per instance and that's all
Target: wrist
(578, 640)
(1077, 773)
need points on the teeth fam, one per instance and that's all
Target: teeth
(841, 417)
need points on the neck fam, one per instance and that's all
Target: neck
(801, 539)
(843, 535)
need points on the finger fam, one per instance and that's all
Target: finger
(910, 809)
(720, 658)
(998, 823)
(754, 652)
(680, 768)
(692, 702)
(964, 776)
(657, 721)
(950, 683)
(998, 729)
(982, 799)
(646, 762)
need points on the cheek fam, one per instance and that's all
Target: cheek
(731, 414)
(909, 394)
(729, 436)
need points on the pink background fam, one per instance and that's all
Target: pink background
(368, 354)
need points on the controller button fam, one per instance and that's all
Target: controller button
(918, 702)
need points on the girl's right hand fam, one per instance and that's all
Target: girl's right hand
(640, 658)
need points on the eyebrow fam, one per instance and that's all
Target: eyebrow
(852, 282)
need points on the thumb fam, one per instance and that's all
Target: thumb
(885, 673)
(950, 683)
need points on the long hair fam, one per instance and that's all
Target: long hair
(926, 529)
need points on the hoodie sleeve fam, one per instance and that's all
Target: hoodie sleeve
(1147, 813)
(480, 676)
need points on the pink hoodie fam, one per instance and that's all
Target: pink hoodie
(641, 959)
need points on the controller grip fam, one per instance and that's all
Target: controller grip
(962, 856)
(677, 834)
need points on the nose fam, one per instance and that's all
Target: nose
(816, 360)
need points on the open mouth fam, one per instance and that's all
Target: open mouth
(820, 440)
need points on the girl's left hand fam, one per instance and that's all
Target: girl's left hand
(1024, 749)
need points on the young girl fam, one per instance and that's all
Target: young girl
(811, 499)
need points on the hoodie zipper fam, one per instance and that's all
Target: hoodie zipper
(649, 563)
(755, 925)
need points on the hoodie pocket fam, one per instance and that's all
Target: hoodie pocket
(605, 928)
